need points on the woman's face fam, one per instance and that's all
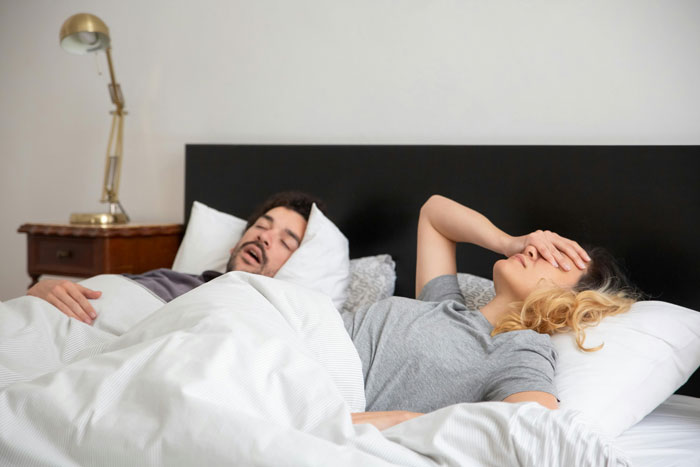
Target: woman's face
(521, 274)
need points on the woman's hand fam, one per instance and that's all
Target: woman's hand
(383, 420)
(559, 251)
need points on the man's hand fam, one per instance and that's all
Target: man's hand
(383, 420)
(67, 296)
(559, 251)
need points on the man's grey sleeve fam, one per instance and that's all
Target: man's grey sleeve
(441, 289)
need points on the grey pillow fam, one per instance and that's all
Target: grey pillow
(372, 279)
(477, 291)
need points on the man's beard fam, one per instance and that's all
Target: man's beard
(239, 250)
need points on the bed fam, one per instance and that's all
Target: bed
(198, 380)
(641, 202)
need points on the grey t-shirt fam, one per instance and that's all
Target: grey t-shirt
(169, 284)
(422, 355)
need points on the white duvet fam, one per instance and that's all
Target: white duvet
(244, 370)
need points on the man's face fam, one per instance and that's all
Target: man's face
(268, 243)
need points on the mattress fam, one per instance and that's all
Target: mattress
(668, 436)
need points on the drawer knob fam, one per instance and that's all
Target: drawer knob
(63, 254)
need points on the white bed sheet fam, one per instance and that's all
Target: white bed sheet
(668, 436)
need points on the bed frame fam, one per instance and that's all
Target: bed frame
(641, 202)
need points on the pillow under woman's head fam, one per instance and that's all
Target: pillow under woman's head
(647, 354)
(321, 262)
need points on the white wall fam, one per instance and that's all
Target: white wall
(305, 71)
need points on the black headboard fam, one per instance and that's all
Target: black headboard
(642, 202)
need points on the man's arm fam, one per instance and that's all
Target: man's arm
(70, 298)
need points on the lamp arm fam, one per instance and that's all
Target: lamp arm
(115, 90)
(110, 189)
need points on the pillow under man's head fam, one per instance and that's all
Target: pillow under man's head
(287, 237)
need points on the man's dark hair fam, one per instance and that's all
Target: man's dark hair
(295, 200)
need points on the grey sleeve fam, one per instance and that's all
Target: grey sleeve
(442, 288)
(166, 283)
(527, 365)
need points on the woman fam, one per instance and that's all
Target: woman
(421, 355)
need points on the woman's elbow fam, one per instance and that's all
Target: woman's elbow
(431, 203)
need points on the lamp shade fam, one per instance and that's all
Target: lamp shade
(83, 33)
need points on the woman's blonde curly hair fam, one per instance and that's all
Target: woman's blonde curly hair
(603, 290)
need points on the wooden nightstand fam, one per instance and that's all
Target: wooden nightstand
(87, 250)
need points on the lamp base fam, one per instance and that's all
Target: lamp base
(102, 218)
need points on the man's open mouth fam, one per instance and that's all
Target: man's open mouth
(253, 254)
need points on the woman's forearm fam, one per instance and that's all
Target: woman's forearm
(383, 420)
(461, 224)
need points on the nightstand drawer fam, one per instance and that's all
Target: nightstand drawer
(64, 255)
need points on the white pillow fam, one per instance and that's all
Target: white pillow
(209, 237)
(321, 263)
(648, 353)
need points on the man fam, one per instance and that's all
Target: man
(273, 233)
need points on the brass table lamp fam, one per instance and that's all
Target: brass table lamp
(80, 34)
